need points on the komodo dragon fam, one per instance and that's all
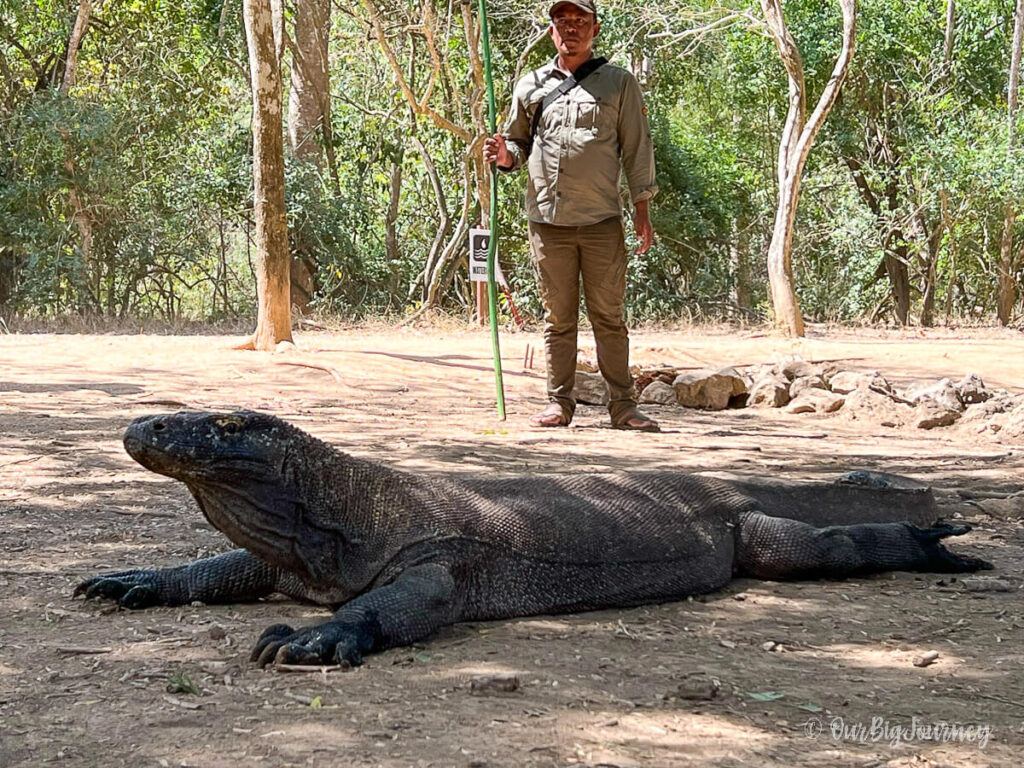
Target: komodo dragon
(403, 555)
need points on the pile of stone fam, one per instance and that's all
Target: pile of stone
(797, 387)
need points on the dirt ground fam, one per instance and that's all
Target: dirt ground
(804, 674)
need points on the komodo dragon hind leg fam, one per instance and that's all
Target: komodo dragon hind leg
(411, 607)
(232, 577)
(777, 548)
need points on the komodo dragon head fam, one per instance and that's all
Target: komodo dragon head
(255, 479)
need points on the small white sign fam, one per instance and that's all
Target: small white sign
(479, 242)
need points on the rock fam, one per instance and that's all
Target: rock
(699, 687)
(816, 401)
(711, 390)
(590, 389)
(644, 377)
(494, 684)
(1010, 508)
(804, 383)
(739, 382)
(983, 584)
(870, 405)
(972, 390)
(801, 405)
(943, 393)
(770, 391)
(830, 401)
(980, 414)
(658, 393)
(1013, 426)
(845, 382)
(796, 369)
(926, 659)
(930, 414)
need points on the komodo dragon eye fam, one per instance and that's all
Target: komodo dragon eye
(231, 426)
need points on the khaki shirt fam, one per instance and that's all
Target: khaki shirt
(584, 141)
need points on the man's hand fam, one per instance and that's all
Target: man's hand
(496, 150)
(642, 225)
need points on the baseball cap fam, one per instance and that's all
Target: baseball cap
(584, 5)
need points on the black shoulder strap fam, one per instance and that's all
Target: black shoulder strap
(582, 72)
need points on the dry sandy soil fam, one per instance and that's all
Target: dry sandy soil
(82, 684)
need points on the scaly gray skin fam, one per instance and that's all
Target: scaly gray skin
(403, 555)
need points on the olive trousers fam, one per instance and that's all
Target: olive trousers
(597, 253)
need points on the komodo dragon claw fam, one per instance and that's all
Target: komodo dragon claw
(131, 589)
(327, 643)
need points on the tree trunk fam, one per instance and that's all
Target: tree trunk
(83, 222)
(932, 236)
(739, 266)
(1007, 283)
(797, 137)
(74, 44)
(392, 247)
(277, 24)
(949, 37)
(308, 121)
(273, 321)
(897, 258)
(894, 245)
(443, 225)
(308, 102)
(947, 225)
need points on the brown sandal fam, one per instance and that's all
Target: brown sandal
(552, 416)
(635, 420)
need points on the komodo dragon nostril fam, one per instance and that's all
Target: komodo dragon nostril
(159, 426)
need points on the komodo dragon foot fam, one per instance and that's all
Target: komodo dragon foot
(131, 589)
(940, 559)
(327, 643)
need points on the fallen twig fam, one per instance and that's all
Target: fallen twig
(160, 401)
(20, 461)
(1001, 700)
(960, 624)
(307, 669)
(182, 703)
(335, 374)
(967, 494)
(143, 513)
(80, 650)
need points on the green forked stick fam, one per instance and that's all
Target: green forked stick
(492, 289)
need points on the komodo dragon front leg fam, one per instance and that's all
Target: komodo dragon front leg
(408, 609)
(232, 577)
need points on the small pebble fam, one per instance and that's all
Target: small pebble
(927, 659)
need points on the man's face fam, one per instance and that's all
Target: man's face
(573, 30)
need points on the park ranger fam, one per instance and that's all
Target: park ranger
(576, 124)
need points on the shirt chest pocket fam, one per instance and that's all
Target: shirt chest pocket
(594, 113)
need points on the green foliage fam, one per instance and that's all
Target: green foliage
(153, 144)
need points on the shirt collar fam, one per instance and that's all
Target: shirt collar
(556, 67)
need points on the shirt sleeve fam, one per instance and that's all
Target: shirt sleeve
(635, 143)
(517, 130)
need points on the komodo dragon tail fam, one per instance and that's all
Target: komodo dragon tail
(776, 548)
